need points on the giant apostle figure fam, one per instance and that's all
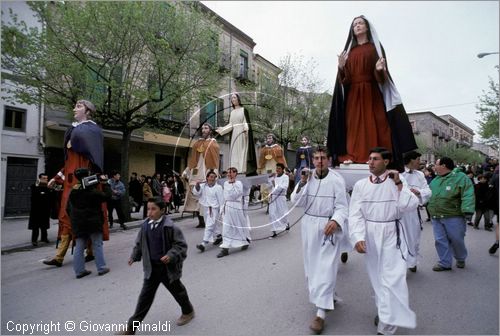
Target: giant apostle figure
(366, 109)
(204, 157)
(83, 148)
(303, 157)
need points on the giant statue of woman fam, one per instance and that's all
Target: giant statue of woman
(242, 151)
(366, 109)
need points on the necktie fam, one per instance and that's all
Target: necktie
(377, 180)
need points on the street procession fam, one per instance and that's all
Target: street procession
(331, 176)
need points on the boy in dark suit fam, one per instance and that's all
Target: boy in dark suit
(162, 247)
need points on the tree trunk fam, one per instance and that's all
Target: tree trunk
(125, 172)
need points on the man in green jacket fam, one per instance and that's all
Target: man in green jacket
(451, 205)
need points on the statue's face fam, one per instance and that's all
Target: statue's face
(234, 100)
(80, 112)
(205, 131)
(359, 27)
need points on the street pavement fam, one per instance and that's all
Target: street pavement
(261, 291)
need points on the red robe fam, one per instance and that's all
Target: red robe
(366, 120)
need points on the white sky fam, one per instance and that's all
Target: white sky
(431, 46)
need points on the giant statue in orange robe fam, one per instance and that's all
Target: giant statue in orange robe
(204, 157)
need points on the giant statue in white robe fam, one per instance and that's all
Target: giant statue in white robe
(323, 200)
(375, 212)
(411, 220)
(239, 139)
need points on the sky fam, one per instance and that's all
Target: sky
(431, 46)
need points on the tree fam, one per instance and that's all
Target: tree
(460, 155)
(296, 106)
(143, 64)
(488, 110)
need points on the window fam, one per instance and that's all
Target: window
(212, 113)
(243, 73)
(15, 119)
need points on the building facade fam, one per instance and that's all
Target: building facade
(22, 133)
(32, 135)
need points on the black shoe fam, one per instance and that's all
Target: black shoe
(460, 263)
(344, 256)
(35, 244)
(488, 228)
(413, 269)
(470, 223)
(244, 247)
(89, 258)
(103, 271)
(287, 227)
(224, 252)
(274, 235)
(218, 240)
(200, 247)
(375, 320)
(52, 262)
(83, 274)
(124, 227)
(493, 248)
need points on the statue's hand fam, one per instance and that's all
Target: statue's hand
(380, 65)
(342, 59)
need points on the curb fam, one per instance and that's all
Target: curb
(130, 225)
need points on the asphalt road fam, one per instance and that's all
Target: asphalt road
(261, 291)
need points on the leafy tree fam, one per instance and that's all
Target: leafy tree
(460, 155)
(488, 110)
(296, 106)
(143, 64)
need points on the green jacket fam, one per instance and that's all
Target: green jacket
(452, 195)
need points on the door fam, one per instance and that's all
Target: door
(21, 174)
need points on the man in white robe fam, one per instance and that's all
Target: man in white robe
(211, 197)
(375, 210)
(411, 220)
(322, 194)
(235, 224)
(278, 209)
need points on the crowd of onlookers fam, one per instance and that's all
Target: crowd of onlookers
(169, 187)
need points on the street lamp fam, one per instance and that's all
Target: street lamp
(481, 55)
